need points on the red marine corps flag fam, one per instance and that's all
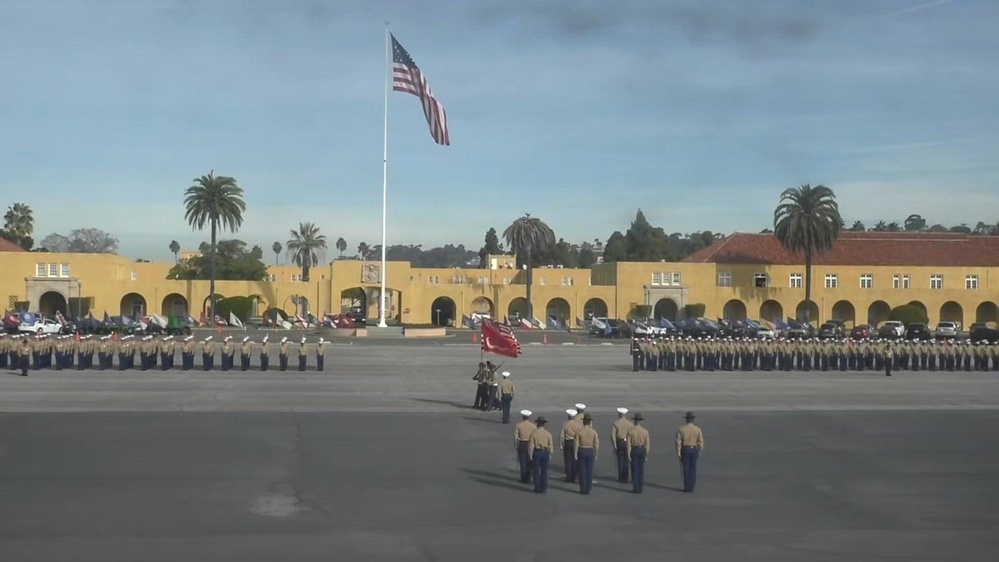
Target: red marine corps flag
(499, 339)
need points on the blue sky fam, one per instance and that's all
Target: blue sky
(578, 112)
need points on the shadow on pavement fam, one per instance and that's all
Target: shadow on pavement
(452, 403)
(498, 479)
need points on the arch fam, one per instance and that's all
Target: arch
(557, 311)
(205, 303)
(734, 309)
(518, 306)
(594, 308)
(920, 306)
(952, 312)
(987, 312)
(442, 311)
(483, 305)
(877, 313)
(174, 304)
(299, 304)
(354, 299)
(666, 308)
(50, 303)
(133, 305)
(845, 311)
(771, 310)
(807, 311)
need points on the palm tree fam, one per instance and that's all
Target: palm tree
(362, 249)
(216, 201)
(881, 226)
(276, 248)
(19, 224)
(526, 235)
(858, 227)
(306, 245)
(341, 246)
(807, 220)
(893, 227)
(175, 250)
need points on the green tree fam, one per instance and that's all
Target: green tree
(525, 236)
(645, 242)
(881, 226)
(914, 223)
(492, 247)
(306, 246)
(893, 227)
(19, 225)
(961, 229)
(175, 250)
(276, 248)
(807, 221)
(363, 249)
(233, 262)
(341, 246)
(908, 314)
(858, 227)
(562, 254)
(938, 228)
(215, 201)
(616, 248)
(587, 255)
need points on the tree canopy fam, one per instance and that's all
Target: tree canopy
(84, 241)
(234, 262)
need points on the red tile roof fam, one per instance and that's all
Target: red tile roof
(861, 248)
(8, 246)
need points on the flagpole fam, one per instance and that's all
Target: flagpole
(388, 68)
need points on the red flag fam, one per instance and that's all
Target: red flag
(345, 322)
(499, 339)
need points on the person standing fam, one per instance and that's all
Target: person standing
(639, 445)
(587, 449)
(689, 443)
(568, 444)
(521, 438)
(506, 390)
(227, 352)
(24, 356)
(481, 387)
(320, 355)
(303, 355)
(636, 353)
(619, 440)
(208, 354)
(283, 354)
(889, 359)
(244, 354)
(265, 354)
(540, 449)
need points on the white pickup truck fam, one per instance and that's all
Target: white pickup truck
(44, 326)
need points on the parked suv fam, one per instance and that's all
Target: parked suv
(918, 332)
(891, 329)
(830, 330)
(946, 330)
(861, 332)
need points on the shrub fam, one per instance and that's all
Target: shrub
(269, 313)
(694, 310)
(908, 314)
(241, 307)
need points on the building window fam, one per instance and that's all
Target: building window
(796, 281)
(40, 270)
(896, 281)
(135, 276)
(295, 277)
(64, 270)
(433, 279)
(542, 280)
(272, 278)
(676, 277)
(936, 281)
(832, 281)
(760, 280)
(867, 281)
(53, 270)
(657, 278)
(971, 282)
(567, 281)
(485, 280)
(725, 279)
(906, 282)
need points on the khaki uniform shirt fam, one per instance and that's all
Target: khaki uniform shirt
(542, 440)
(569, 430)
(689, 435)
(303, 351)
(587, 438)
(619, 431)
(284, 349)
(522, 431)
(506, 387)
(247, 348)
(638, 436)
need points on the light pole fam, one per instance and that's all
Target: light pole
(438, 311)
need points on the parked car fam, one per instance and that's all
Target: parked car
(984, 333)
(861, 332)
(946, 330)
(764, 333)
(42, 326)
(830, 330)
(891, 329)
(803, 331)
(918, 332)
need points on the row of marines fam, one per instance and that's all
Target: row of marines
(66, 352)
(580, 446)
(676, 354)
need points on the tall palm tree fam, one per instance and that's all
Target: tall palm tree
(175, 250)
(216, 201)
(341, 246)
(306, 245)
(858, 226)
(276, 248)
(525, 236)
(807, 220)
(19, 224)
(362, 249)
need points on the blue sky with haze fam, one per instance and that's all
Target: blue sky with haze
(577, 112)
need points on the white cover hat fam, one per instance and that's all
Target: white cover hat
(622, 411)
(571, 412)
(526, 413)
(580, 406)
(506, 374)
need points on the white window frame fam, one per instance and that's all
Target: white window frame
(906, 282)
(567, 281)
(433, 279)
(867, 281)
(676, 278)
(796, 281)
(135, 276)
(53, 270)
(542, 280)
(896, 281)
(971, 282)
(936, 281)
(41, 269)
(724, 279)
(657, 278)
(64, 270)
(764, 277)
(832, 281)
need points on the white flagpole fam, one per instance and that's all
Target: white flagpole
(388, 70)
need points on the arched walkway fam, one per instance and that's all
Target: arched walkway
(807, 311)
(952, 312)
(666, 308)
(518, 307)
(483, 305)
(987, 312)
(354, 299)
(442, 312)
(734, 309)
(51, 303)
(133, 305)
(557, 312)
(594, 308)
(771, 310)
(206, 304)
(845, 311)
(920, 306)
(174, 304)
(877, 313)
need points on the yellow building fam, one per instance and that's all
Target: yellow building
(952, 276)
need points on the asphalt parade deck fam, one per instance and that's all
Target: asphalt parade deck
(380, 458)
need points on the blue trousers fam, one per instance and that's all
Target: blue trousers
(638, 455)
(586, 457)
(688, 457)
(539, 464)
(505, 406)
(569, 459)
(525, 462)
(320, 362)
(622, 460)
(264, 360)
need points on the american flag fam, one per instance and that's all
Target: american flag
(407, 77)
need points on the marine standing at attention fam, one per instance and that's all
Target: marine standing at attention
(619, 440)
(320, 355)
(521, 438)
(244, 354)
(540, 450)
(506, 390)
(24, 356)
(587, 449)
(639, 445)
(265, 354)
(568, 444)
(303, 355)
(283, 354)
(689, 442)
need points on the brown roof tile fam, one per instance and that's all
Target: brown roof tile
(8, 246)
(861, 248)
